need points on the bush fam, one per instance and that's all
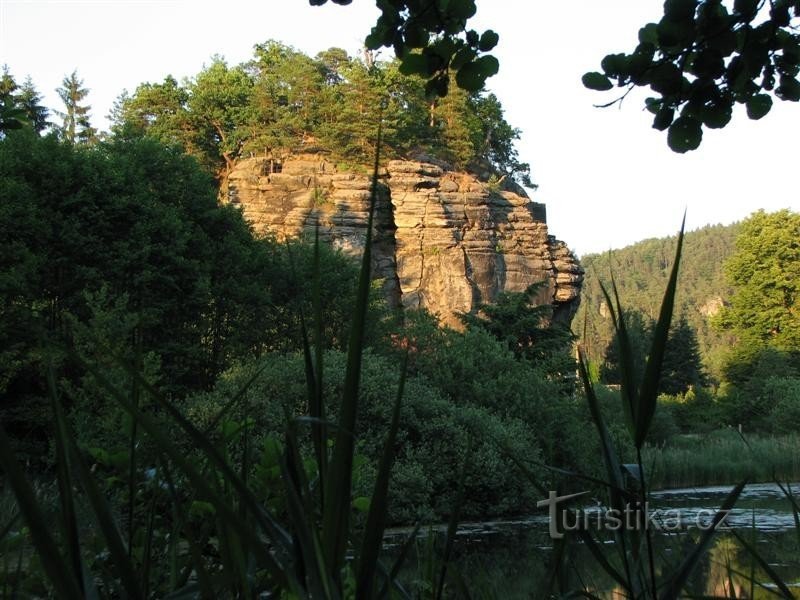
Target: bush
(431, 443)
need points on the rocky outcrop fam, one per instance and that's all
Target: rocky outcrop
(442, 240)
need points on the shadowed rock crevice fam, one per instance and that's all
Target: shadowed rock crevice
(443, 240)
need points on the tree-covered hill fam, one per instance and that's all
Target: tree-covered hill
(641, 272)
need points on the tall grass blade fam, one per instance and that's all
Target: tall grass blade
(776, 579)
(278, 536)
(613, 467)
(69, 520)
(610, 458)
(379, 504)
(629, 387)
(336, 512)
(312, 568)
(234, 400)
(599, 556)
(135, 399)
(649, 391)
(102, 513)
(787, 491)
(678, 580)
(405, 549)
(57, 569)
(320, 432)
(455, 516)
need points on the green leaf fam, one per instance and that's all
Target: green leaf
(597, 81)
(717, 116)
(472, 76)
(653, 105)
(614, 65)
(649, 34)
(416, 36)
(462, 57)
(789, 89)
(664, 118)
(461, 9)
(675, 34)
(414, 64)
(745, 8)
(488, 41)
(758, 106)
(684, 134)
(361, 504)
(680, 10)
(666, 79)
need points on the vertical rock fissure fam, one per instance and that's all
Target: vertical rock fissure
(444, 241)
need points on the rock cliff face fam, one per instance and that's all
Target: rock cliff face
(442, 240)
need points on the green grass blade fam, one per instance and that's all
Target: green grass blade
(599, 556)
(57, 569)
(455, 516)
(776, 579)
(402, 556)
(649, 391)
(163, 441)
(787, 491)
(69, 520)
(320, 432)
(379, 504)
(132, 490)
(628, 389)
(336, 511)
(678, 580)
(234, 400)
(148, 546)
(313, 568)
(102, 513)
(610, 458)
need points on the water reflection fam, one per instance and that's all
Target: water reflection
(507, 559)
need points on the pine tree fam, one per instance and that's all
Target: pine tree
(682, 367)
(77, 127)
(29, 100)
(11, 116)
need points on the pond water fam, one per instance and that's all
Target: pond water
(507, 559)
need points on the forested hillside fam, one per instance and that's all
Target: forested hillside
(641, 272)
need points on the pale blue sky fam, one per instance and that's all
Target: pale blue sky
(607, 178)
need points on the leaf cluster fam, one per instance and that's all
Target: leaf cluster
(704, 57)
(430, 39)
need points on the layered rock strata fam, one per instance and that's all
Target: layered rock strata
(442, 240)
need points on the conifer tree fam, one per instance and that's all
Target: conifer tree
(29, 100)
(77, 127)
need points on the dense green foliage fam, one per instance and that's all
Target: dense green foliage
(705, 56)
(749, 341)
(125, 243)
(764, 271)
(283, 101)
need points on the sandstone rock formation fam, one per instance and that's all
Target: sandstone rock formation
(442, 240)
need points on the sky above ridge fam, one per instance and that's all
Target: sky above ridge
(607, 177)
